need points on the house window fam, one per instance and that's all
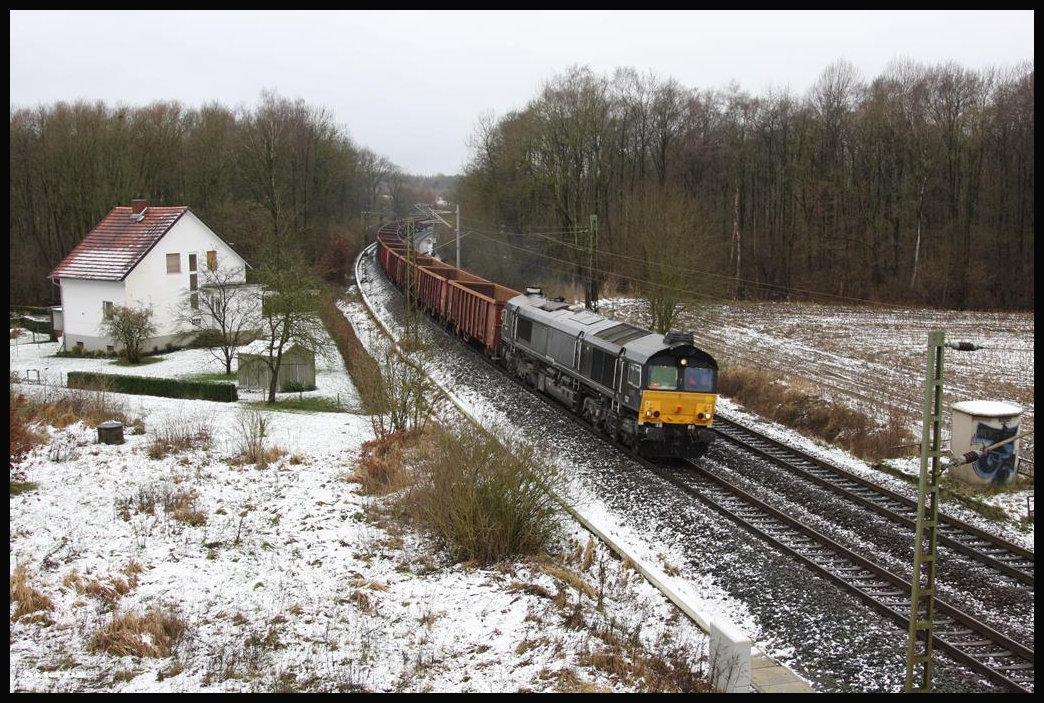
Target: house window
(194, 301)
(107, 309)
(192, 262)
(173, 263)
(194, 288)
(212, 260)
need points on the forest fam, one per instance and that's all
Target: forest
(915, 187)
(279, 176)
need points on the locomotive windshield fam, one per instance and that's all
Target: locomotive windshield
(663, 377)
(698, 379)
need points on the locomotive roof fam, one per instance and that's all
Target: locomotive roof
(602, 332)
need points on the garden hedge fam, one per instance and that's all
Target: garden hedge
(165, 387)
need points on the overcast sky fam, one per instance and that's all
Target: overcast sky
(411, 85)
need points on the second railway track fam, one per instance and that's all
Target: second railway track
(1001, 555)
(973, 643)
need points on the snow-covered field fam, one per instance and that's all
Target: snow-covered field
(288, 585)
(281, 579)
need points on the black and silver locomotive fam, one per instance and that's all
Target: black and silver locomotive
(654, 393)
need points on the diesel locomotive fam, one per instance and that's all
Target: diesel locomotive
(651, 392)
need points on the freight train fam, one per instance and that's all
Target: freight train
(653, 393)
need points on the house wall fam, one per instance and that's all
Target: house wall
(82, 311)
(149, 283)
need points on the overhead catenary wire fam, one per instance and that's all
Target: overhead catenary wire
(576, 266)
(572, 267)
(667, 266)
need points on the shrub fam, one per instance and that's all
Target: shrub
(333, 265)
(297, 387)
(253, 428)
(381, 466)
(484, 501)
(130, 327)
(406, 397)
(165, 387)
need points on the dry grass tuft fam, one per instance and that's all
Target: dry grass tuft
(589, 552)
(568, 577)
(253, 428)
(108, 590)
(532, 589)
(61, 407)
(796, 406)
(662, 667)
(368, 583)
(381, 468)
(568, 681)
(179, 434)
(153, 634)
(181, 506)
(29, 598)
(179, 503)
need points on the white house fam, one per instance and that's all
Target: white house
(140, 256)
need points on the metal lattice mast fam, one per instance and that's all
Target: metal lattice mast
(922, 581)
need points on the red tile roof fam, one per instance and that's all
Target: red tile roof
(115, 246)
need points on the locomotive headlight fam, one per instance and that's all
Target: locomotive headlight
(684, 362)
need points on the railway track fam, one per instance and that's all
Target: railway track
(996, 553)
(966, 639)
(969, 641)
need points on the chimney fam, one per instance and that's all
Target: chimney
(138, 207)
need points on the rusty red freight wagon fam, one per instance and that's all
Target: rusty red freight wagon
(470, 305)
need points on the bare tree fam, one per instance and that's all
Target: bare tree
(130, 327)
(676, 251)
(226, 307)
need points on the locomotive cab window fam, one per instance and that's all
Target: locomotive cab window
(663, 377)
(699, 379)
(634, 375)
